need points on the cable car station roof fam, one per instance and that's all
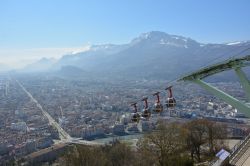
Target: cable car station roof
(217, 68)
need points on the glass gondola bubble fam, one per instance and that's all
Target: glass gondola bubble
(146, 113)
(170, 102)
(158, 107)
(135, 116)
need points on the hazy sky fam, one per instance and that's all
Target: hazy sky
(30, 29)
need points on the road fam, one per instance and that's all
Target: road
(6, 88)
(64, 136)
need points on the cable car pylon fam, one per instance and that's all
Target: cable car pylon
(236, 64)
(196, 77)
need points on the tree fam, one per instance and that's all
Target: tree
(169, 145)
(196, 136)
(202, 134)
(216, 134)
(117, 154)
(120, 154)
(166, 145)
(85, 155)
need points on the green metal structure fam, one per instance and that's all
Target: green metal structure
(236, 64)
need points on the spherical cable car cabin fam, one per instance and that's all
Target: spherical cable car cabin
(158, 107)
(135, 116)
(146, 113)
(170, 102)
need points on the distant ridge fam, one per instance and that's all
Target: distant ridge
(152, 55)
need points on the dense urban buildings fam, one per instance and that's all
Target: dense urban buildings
(93, 109)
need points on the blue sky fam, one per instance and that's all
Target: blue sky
(69, 25)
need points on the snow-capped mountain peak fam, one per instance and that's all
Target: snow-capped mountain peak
(164, 39)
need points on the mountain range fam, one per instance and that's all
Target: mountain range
(155, 55)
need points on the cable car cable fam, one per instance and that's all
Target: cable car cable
(170, 83)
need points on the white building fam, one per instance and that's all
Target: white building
(19, 126)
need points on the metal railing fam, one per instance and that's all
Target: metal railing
(238, 147)
(234, 151)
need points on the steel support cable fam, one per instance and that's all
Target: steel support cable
(171, 82)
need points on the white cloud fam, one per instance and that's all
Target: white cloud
(17, 58)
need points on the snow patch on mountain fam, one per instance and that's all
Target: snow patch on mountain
(234, 43)
(237, 43)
